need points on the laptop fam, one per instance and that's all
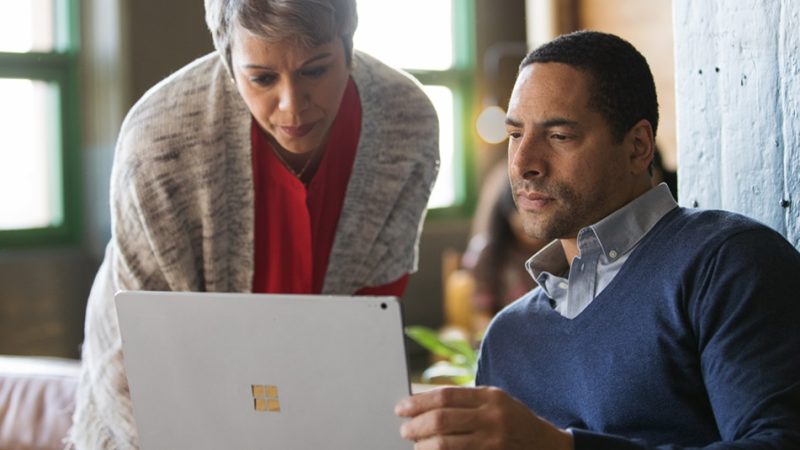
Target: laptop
(256, 371)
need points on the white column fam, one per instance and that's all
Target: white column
(737, 68)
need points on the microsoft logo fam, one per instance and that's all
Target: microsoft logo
(265, 398)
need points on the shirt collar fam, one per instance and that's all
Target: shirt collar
(549, 260)
(617, 233)
(621, 230)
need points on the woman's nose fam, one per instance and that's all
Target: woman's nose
(292, 99)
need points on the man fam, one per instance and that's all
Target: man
(654, 326)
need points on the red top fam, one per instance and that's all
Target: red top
(295, 224)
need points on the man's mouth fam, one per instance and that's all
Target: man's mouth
(533, 201)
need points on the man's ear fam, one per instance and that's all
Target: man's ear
(642, 146)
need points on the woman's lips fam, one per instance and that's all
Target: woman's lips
(533, 201)
(297, 132)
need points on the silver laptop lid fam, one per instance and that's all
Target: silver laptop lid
(254, 371)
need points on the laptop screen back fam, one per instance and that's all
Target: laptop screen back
(247, 371)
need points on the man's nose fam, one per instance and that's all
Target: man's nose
(526, 158)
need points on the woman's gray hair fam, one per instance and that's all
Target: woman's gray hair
(309, 22)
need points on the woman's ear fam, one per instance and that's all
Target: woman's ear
(642, 145)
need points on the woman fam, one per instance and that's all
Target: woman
(286, 162)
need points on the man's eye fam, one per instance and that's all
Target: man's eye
(559, 137)
(514, 134)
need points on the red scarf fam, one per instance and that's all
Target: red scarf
(295, 224)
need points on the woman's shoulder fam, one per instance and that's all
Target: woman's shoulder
(177, 129)
(183, 88)
(381, 84)
(189, 100)
(395, 109)
(192, 105)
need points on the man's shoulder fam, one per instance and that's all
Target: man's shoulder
(692, 242)
(685, 228)
(723, 221)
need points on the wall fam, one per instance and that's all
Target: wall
(42, 300)
(164, 36)
(738, 91)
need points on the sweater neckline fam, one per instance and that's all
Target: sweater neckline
(603, 299)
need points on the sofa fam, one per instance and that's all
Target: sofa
(37, 398)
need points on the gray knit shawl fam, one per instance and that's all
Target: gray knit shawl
(183, 216)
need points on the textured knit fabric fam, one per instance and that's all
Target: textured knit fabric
(182, 211)
(693, 344)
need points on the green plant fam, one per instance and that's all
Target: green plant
(460, 360)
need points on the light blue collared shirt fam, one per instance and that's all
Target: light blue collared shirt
(603, 249)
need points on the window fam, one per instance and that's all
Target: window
(38, 122)
(433, 40)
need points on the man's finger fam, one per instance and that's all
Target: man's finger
(449, 397)
(452, 442)
(442, 421)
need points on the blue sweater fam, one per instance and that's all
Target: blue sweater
(695, 343)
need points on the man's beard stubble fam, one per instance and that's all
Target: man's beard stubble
(563, 222)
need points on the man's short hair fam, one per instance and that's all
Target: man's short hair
(621, 85)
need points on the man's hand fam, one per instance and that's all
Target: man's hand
(476, 418)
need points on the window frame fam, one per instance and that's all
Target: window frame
(60, 67)
(460, 79)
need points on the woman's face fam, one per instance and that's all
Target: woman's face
(292, 91)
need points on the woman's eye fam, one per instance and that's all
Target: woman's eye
(315, 72)
(263, 80)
